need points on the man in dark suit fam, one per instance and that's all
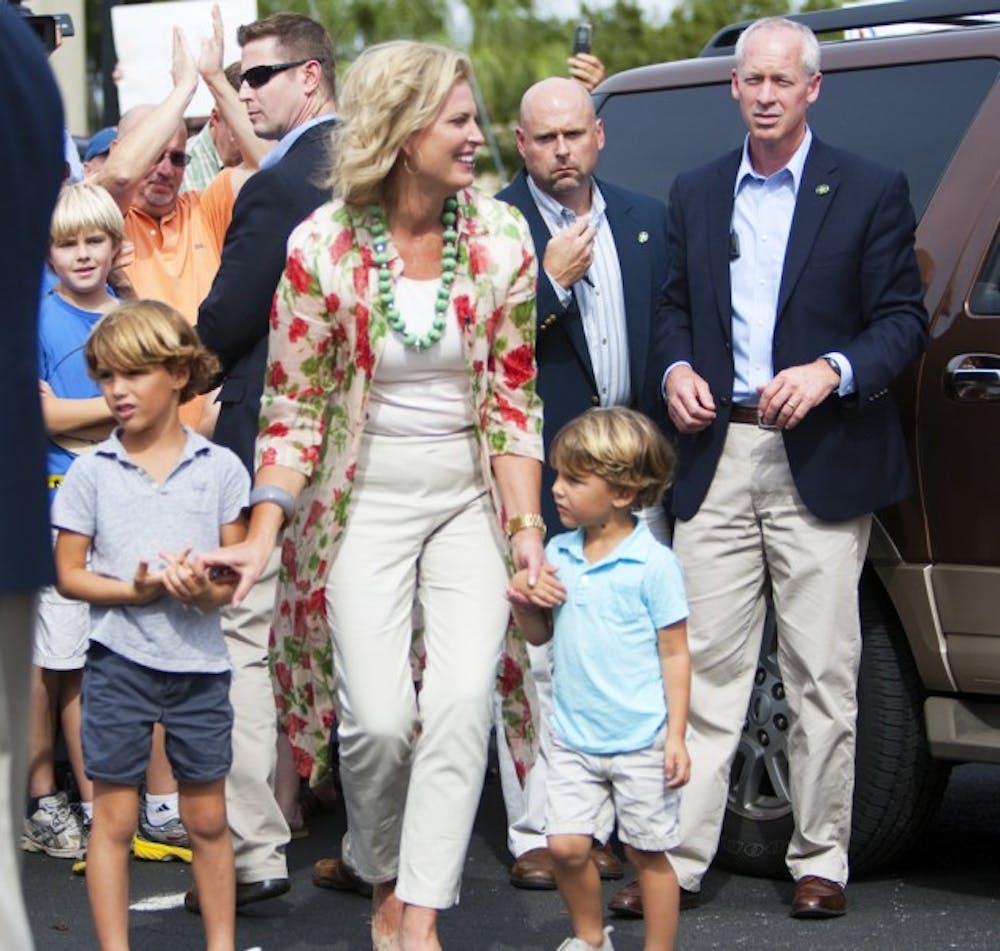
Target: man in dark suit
(31, 162)
(793, 301)
(288, 87)
(603, 259)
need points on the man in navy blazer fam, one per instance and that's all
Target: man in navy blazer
(31, 162)
(602, 254)
(288, 87)
(793, 301)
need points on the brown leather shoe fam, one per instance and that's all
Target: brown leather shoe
(534, 870)
(817, 897)
(338, 875)
(608, 864)
(627, 901)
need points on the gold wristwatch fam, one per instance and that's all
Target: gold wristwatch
(518, 522)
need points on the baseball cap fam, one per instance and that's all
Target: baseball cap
(100, 142)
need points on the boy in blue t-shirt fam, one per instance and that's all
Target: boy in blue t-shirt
(613, 599)
(86, 235)
(132, 516)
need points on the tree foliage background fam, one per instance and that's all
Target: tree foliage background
(511, 44)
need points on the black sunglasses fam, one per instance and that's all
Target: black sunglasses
(257, 76)
(178, 158)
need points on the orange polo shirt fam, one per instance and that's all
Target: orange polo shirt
(176, 258)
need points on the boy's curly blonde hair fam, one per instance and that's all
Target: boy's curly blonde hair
(621, 446)
(148, 333)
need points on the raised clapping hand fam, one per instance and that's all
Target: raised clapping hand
(183, 70)
(569, 253)
(212, 48)
(785, 401)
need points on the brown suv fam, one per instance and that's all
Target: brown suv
(928, 103)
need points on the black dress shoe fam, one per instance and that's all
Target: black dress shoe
(246, 893)
(627, 901)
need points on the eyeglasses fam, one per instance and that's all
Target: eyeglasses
(257, 76)
(178, 158)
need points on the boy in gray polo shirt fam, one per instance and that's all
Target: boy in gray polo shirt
(142, 505)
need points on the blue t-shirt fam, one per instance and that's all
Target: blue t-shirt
(607, 683)
(62, 331)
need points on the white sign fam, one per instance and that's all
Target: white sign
(143, 35)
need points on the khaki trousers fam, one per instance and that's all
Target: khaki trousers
(751, 528)
(17, 621)
(412, 768)
(259, 830)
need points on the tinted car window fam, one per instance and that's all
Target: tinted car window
(910, 117)
(985, 299)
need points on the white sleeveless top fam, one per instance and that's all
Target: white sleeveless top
(420, 392)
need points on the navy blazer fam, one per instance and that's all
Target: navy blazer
(565, 373)
(850, 283)
(233, 320)
(31, 163)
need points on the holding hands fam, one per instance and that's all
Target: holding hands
(546, 592)
(188, 579)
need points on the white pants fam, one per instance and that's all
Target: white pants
(525, 805)
(260, 832)
(753, 526)
(17, 620)
(412, 768)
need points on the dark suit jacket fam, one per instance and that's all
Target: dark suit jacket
(233, 318)
(31, 163)
(850, 283)
(565, 374)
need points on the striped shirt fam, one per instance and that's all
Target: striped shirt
(600, 296)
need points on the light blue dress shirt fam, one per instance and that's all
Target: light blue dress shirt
(290, 138)
(763, 208)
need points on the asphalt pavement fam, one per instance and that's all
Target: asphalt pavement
(946, 896)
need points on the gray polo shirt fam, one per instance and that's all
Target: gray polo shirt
(130, 518)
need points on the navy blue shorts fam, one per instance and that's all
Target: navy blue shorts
(122, 700)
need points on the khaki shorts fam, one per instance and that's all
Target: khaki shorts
(586, 792)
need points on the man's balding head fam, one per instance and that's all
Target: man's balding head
(559, 138)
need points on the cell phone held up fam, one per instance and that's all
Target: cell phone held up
(581, 38)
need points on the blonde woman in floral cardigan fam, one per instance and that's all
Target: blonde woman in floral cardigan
(400, 426)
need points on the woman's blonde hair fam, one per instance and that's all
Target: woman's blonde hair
(148, 333)
(85, 207)
(391, 91)
(621, 446)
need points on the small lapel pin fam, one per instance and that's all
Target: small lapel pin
(643, 237)
(822, 189)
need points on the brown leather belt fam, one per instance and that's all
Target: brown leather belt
(743, 414)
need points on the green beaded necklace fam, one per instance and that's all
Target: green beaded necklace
(449, 259)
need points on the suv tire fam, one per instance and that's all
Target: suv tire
(898, 786)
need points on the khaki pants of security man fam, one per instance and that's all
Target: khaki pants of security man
(259, 830)
(751, 526)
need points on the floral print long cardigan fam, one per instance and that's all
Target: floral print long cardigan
(327, 334)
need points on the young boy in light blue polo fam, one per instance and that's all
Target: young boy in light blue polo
(613, 599)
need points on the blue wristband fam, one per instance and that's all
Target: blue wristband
(276, 496)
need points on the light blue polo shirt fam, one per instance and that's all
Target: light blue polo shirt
(130, 518)
(607, 683)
